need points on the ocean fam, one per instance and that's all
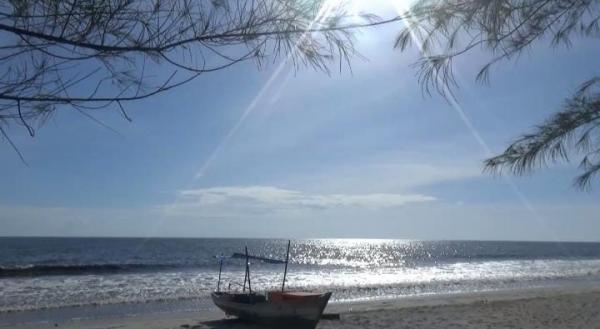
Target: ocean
(41, 274)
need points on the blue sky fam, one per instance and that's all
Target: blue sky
(278, 153)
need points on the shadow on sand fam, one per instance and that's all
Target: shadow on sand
(234, 323)
(226, 324)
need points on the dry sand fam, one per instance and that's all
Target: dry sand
(555, 309)
(560, 312)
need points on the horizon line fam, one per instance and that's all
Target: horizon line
(290, 238)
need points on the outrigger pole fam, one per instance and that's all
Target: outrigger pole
(287, 258)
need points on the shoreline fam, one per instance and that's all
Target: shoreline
(199, 318)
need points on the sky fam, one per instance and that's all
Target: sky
(273, 152)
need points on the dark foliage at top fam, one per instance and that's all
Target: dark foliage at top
(444, 30)
(92, 54)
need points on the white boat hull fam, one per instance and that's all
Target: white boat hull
(300, 311)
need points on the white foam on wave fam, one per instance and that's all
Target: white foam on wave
(348, 283)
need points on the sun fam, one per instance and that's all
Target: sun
(378, 7)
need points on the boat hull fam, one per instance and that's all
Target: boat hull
(281, 309)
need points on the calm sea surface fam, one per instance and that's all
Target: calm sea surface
(49, 273)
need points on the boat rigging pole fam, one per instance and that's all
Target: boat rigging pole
(245, 276)
(248, 271)
(287, 258)
(220, 268)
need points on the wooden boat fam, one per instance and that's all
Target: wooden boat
(284, 309)
(275, 308)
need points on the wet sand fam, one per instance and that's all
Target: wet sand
(560, 309)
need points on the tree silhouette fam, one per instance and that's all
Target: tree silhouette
(444, 30)
(92, 54)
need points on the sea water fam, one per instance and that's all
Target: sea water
(57, 273)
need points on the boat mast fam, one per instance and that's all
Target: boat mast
(220, 268)
(245, 276)
(287, 258)
(248, 271)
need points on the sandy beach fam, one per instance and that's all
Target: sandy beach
(558, 311)
(533, 309)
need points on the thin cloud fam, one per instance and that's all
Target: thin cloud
(269, 198)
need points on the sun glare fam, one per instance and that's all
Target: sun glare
(379, 7)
